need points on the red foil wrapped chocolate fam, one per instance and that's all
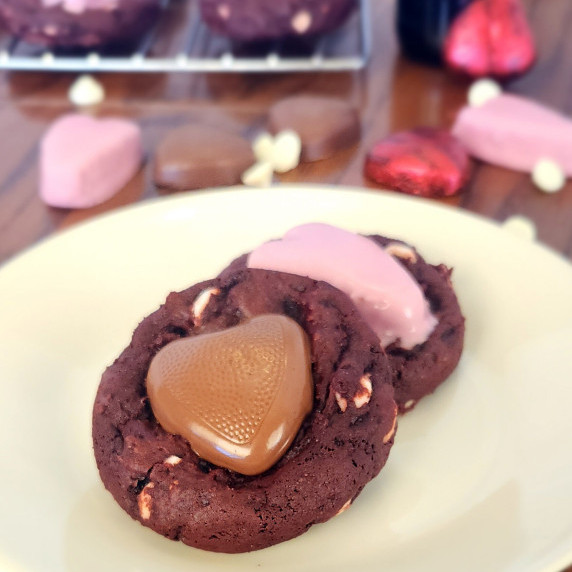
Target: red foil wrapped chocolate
(426, 161)
(490, 38)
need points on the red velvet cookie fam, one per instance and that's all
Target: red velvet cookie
(256, 20)
(419, 370)
(342, 444)
(92, 23)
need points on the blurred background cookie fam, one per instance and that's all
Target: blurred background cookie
(259, 20)
(78, 23)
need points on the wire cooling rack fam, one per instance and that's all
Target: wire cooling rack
(181, 42)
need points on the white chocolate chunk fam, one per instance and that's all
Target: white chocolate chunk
(401, 251)
(342, 402)
(345, 507)
(286, 151)
(145, 502)
(201, 302)
(86, 91)
(172, 460)
(302, 21)
(483, 90)
(259, 175)
(521, 226)
(363, 396)
(391, 432)
(223, 11)
(548, 176)
(263, 146)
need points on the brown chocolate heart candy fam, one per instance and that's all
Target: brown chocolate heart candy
(326, 125)
(200, 156)
(238, 396)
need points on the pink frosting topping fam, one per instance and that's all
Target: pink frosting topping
(384, 292)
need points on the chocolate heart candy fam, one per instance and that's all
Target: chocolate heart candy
(425, 161)
(200, 156)
(491, 37)
(238, 396)
(326, 125)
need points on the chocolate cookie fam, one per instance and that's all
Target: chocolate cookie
(257, 20)
(420, 370)
(79, 23)
(342, 444)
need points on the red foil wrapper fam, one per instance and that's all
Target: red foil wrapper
(490, 38)
(427, 162)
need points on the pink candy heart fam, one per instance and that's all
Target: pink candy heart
(85, 161)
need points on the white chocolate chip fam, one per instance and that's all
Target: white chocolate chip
(223, 11)
(201, 302)
(86, 91)
(259, 175)
(286, 151)
(145, 502)
(342, 402)
(548, 176)
(93, 58)
(483, 90)
(391, 432)
(302, 21)
(262, 147)
(401, 251)
(347, 505)
(363, 396)
(520, 226)
(50, 30)
(172, 460)
(409, 404)
(47, 58)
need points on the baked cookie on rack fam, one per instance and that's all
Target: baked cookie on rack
(78, 23)
(260, 20)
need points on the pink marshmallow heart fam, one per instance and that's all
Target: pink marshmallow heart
(85, 161)
(515, 132)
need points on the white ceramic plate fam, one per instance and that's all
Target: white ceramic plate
(480, 478)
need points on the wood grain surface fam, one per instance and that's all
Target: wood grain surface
(392, 93)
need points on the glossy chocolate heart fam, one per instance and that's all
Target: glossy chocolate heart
(425, 161)
(490, 38)
(238, 396)
(199, 156)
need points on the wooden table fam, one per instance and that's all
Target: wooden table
(392, 94)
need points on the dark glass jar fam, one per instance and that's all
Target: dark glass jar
(422, 26)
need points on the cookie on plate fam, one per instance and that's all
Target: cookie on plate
(408, 302)
(421, 369)
(259, 20)
(78, 23)
(340, 446)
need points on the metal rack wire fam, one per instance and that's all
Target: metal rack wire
(189, 46)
